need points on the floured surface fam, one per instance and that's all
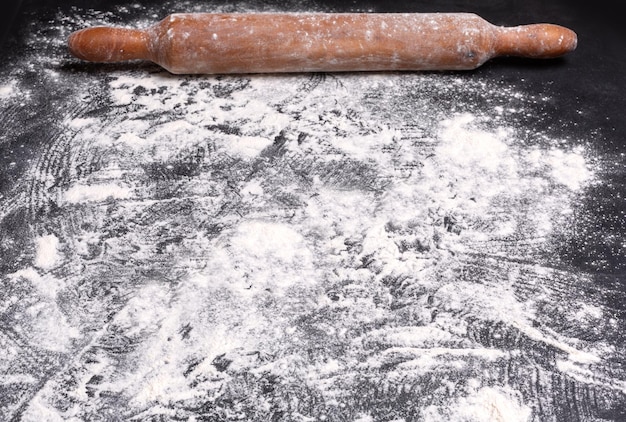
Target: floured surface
(293, 248)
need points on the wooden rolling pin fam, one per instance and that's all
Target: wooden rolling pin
(319, 42)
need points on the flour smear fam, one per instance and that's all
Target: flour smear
(361, 247)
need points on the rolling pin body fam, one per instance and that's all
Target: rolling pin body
(196, 43)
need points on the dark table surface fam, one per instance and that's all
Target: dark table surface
(565, 362)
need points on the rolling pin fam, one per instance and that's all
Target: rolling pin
(218, 43)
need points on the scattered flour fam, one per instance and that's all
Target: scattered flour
(417, 205)
(486, 405)
(96, 192)
(569, 168)
(47, 252)
(8, 89)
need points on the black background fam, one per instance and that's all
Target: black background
(587, 91)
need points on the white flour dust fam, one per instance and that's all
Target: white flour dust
(299, 247)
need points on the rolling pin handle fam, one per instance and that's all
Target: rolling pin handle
(108, 44)
(539, 41)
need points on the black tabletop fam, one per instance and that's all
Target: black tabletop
(340, 247)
